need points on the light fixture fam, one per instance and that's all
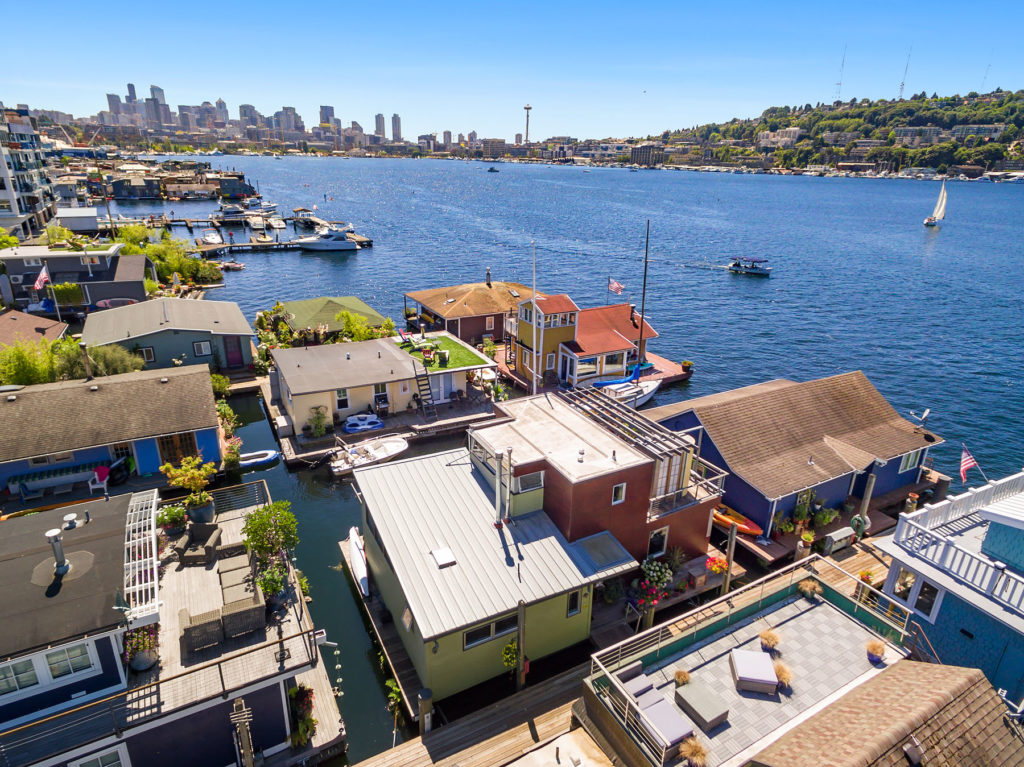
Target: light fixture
(435, 648)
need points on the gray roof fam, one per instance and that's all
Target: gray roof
(42, 251)
(312, 369)
(440, 501)
(75, 212)
(68, 415)
(127, 322)
(32, 616)
(130, 268)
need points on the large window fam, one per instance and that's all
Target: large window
(910, 461)
(587, 366)
(201, 348)
(115, 757)
(613, 360)
(917, 593)
(17, 676)
(341, 399)
(657, 542)
(68, 660)
(481, 634)
(174, 447)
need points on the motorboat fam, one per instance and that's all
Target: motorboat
(256, 221)
(633, 393)
(258, 459)
(492, 169)
(357, 561)
(362, 422)
(211, 237)
(753, 267)
(304, 217)
(230, 214)
(276, 222)
(940, 208)
(326, 238)
(231, 266)
(367, 453)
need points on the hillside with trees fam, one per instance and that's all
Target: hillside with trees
(899, 125)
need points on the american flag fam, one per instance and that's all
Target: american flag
(42, 279)
(967, 462)
(615, 286)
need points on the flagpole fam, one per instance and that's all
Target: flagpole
(49, 282)
(643, 301)
(533, 366)
(976, 464)
(608, 291)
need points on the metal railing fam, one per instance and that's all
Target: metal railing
(706, 482)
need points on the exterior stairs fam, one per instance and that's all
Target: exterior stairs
(426, 398)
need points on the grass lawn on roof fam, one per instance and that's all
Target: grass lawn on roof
(458, 355)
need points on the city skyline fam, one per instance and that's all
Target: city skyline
(590, 76)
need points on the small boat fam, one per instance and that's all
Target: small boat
(367, 453)
(492, 169)
(329, 238)
(940, 208)
(753, 267)
(275, 222)
(256, 222)
(113, 303)
(634, 393)
(304, 217)
(257, 459)
(725, 516)
(263, 239)
(357, 561)
(211, 237)
(231, 266)
(362, 422)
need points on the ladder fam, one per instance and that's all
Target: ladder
(426, 398)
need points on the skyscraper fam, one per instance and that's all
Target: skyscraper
(447, 138)
(158, 93)
(131, 98)
(396, 127)
(248, 115)
(152, 112)
(472, 137)
(326, 115)
(379, 130)
(519, 139)
(114, 104)
(222, 111)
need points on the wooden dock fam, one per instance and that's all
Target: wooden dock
(166, 222)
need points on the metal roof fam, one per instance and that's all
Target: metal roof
(438, 501)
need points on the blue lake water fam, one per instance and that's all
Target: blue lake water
(933, 316)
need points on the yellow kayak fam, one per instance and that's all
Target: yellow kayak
(725, 516)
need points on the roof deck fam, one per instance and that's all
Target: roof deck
(822, 642)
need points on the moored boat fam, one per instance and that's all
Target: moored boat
(326, 238)
(231, 266)
(211, 237)
(632, 393)
(275, 222)
(257, 459)
(362, 422)
(367, 453)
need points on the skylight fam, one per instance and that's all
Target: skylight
(443, 557)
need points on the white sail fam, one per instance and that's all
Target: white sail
(940, 206)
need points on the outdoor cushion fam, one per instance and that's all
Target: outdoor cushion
(753, 671)
(638, 685)
(236, 562)
(649, 698)
(672, 727)
(239, 593)
(235, 577)
(629, 671)
(702, 705)
(102, 472)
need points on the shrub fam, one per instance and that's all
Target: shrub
(784, 673)
(226, 415)
(769, 639)
(220, 384)
(809, 587)
(658, 573)
(107, 360)
(192, 475)
(172, 516)
(270, 530)
(271, 579)
(682, 676)
(318, 420)
(695, 752)
(613, 591)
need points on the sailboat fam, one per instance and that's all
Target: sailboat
(940, 208)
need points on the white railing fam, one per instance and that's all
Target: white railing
(917, 534)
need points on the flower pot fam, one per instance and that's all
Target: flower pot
(144, 660)
(202, 513)
(874, 658)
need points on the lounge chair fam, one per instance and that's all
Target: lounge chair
(199, 546)
(199, 631)
(100, 476)
(246, 615)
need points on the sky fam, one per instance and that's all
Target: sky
(589, 69)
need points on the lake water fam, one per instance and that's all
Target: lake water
(932, 316)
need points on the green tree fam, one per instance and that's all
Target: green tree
(26, 362)
(135, 238)
(8, 241)
(354, 326)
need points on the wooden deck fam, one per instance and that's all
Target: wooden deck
(855, 559)
(495, 735)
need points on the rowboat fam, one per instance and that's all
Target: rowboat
(725, 516)
(357, 561)
(367, 453)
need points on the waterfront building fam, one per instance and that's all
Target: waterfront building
(168, 332)
(17, 327)
(151, 416)
(27, 202)
(79, 220)
(817, 698)
(320, 314)
(647, 155)
(396, 127)
(593, 464)
(101, 274)
(833, 442)
(493, 147)
(462, 581)
(378, 375)
(70, 694)
(474, 311)
(378, 129)
(959, 566)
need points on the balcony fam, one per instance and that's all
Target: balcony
(706, 482)
(948, 535)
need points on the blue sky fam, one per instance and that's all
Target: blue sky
(589, 69)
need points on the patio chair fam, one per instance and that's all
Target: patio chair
(244, 616)
(199, 545)
(199, 631)
(100, 475)
(29, 495)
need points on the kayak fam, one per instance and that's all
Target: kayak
(725, 516)
(357, 558)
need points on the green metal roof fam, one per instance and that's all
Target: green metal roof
(321, 311)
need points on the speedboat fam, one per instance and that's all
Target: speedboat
(211, 237)
(326, 238)
(257, 459)
(362, 422)
(231, 266)
(367, 453)
(230, 214)
(492, 169)
(632, 393)
(754, 267)
(276, 222)
(255, 221)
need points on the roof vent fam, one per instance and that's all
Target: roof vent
(443, 557)
(60, 562)
(94, 387)
(580, 458)
(348, 355)
(12, 397)
(163, 380)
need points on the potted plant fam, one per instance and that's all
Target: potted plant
(769, 640)
(876, 650)
(272, 580)
(695, 752)
(784, 674)
(193, 475)
(301, 705)
(686, 365)
(809, 587)
(172, 519)
(786, 526)
(682, 676)
(141, 647)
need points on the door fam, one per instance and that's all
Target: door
(233, 351)
(174, 447)
(441, 387)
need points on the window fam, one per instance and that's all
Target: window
(506, 625)
(531, 481)
(618, 493)
(147, 354)
(549, 362)
(587, 366)
(658, 542)
(89, 260)
(916, 592)
(572, 318)
(904, 584)
(526, 314)
(48, 460)
(926, 596)
(477, 636)
(910, 461)
(62, 457)
(116, 757)
(573, 604)
(380, 388)
(121, 450)
(481, 634)
(341, 399)
(174, 447)
(613, 360)
(201, 348)
(41, 460)
(17, 676)
(33, 262)
(68, 660)
(489, 323)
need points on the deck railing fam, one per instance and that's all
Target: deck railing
(706, 482)
(918, 534)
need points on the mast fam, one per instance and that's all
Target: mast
(643, 303)
(533, 316)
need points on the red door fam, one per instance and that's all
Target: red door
(233, 351)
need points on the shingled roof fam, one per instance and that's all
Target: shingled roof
(472, 299)
(312, 312)
(18, 326)
(784, 438)
(953, 713)
(69, 415)
(604, 329)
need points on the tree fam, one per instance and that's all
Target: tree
(25, 363)
(354, 326)
(192, 475)
(8, 241)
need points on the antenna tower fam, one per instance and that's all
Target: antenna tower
(839, 85)
(985, 78)
(905, 70)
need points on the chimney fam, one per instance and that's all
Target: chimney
(497, 490)
(85, 360)
(61, 565)
(632, 314)
(488, 276)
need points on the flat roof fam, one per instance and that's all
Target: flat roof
(39, 609)
(421, 506)
(76, 212)
(124, 323)
(42, 251)
(546, 428)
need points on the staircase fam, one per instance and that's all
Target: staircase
(426, 398)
